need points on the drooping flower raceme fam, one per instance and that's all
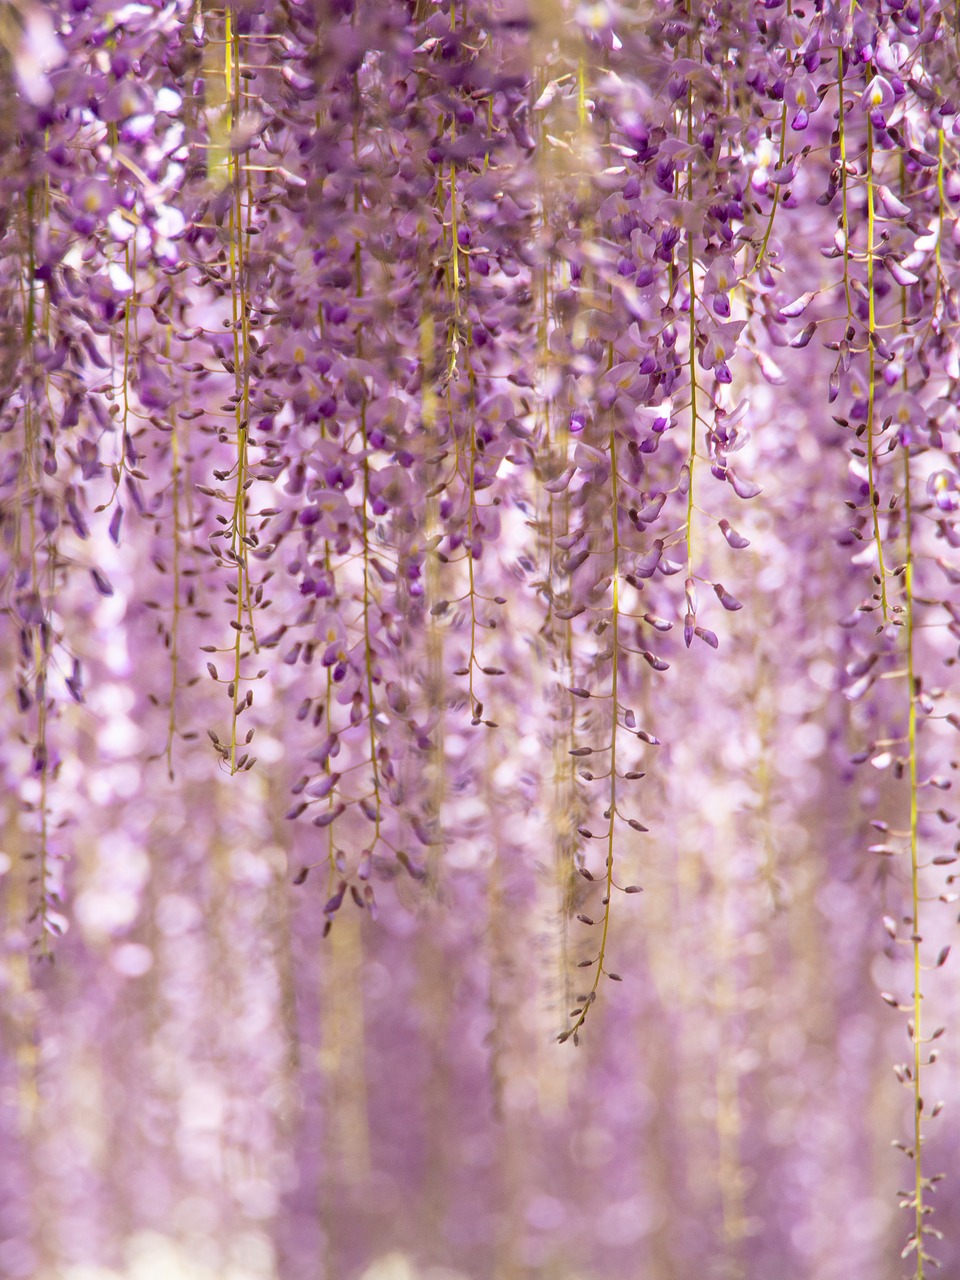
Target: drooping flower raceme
(463, 465)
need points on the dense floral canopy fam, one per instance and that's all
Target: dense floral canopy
(478, 490)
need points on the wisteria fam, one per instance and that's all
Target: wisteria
(480, 607)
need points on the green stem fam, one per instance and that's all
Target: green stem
(872, 359)
(692, 359)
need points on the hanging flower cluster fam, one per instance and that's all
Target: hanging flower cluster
(497, 458)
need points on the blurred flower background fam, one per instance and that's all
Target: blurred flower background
(478, 489)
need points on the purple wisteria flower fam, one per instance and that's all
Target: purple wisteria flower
(478, 531)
